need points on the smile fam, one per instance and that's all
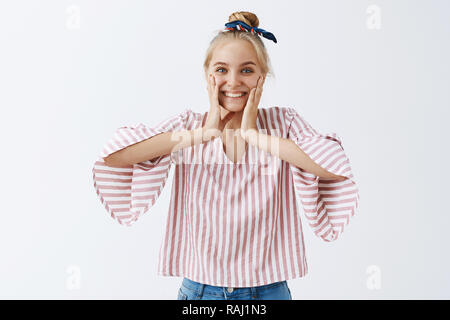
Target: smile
(234, 95)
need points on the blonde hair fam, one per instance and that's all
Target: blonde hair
(252, 20)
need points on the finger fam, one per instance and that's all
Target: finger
(210, 90)
(258, 95)
(260, 86)
(216, 89)
(209, 82)
(251, 96)
(257, 100)
(261, 82)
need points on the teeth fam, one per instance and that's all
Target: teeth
(234, 95)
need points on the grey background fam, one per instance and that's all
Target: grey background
(74, 71)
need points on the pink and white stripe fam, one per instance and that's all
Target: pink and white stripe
(232, 224)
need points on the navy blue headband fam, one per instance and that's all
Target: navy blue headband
(239, 25)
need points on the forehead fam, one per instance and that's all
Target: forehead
(234, 52)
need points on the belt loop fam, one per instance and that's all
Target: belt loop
(253, 290)
(224, 292)
(200, 290)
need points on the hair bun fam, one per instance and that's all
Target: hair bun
(249, 18)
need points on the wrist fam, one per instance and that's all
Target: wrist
(249, 135)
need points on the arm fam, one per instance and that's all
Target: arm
(158, 145)
(287, 150)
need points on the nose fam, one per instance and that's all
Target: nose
(233, 79)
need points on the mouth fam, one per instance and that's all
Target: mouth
(234, 96)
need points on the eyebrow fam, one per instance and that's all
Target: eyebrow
(243, 64)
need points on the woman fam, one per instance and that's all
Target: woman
(233, 231)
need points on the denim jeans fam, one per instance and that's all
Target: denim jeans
(192, 290)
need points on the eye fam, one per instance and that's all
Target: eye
(250, 70)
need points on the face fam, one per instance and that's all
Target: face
(236, 68)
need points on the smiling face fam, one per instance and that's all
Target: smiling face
(235, 65)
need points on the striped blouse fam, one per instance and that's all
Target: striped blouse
(232, 224)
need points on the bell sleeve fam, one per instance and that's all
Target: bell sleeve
(128, 192)
(329, 204)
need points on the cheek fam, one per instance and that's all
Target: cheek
(220, 82)
(253, 82)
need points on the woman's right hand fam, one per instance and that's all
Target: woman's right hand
(213, 121)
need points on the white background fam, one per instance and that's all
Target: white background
(71, 72)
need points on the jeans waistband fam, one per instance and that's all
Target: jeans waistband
(199, 288)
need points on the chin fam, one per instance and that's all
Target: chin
(233, 107)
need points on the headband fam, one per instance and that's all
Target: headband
(239, 25)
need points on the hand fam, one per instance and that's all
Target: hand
(213, 121)
(250, 115)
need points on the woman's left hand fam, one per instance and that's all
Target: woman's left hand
(251, 108)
